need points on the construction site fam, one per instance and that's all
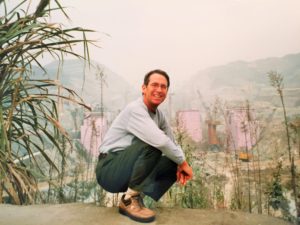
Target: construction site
(238, 151)
(238, 160)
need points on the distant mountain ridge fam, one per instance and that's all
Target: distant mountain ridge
(85, 81)
(239, 72)
(240, 80)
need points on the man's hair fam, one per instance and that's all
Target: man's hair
(160, 72)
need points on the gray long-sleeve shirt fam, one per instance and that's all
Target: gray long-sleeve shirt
(136, 121)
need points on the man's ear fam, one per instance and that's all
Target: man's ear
(143, 88)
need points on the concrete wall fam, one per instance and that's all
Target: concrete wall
(92, 132)
(242, 128)
(189, 121)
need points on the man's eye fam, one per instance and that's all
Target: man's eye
(156, 85)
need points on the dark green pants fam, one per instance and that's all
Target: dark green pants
(140, 167)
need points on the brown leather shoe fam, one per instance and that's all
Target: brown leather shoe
(135, 209)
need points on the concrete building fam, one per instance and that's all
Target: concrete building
(189, 121)
(242, 128)
(92, 131)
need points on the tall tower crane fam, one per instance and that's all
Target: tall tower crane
(101, 76)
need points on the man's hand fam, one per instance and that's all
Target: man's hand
(184, 173)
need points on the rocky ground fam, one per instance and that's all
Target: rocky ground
(90, 214)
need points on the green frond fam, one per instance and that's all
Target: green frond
(29, 122)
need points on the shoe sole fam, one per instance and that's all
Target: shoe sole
(138, 219)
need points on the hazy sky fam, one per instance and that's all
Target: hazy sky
(183, 37)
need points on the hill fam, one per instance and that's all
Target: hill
(239, 73)
(240, 80)
(235, 81)
(86, 82)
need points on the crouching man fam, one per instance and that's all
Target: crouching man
(138, 155)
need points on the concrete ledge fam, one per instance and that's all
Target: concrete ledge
(90, 214)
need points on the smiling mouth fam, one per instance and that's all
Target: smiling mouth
(157, 96)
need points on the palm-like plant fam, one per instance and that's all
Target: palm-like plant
(28, 111)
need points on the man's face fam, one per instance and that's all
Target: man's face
(156, 91)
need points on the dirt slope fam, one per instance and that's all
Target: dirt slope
(90, 214)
